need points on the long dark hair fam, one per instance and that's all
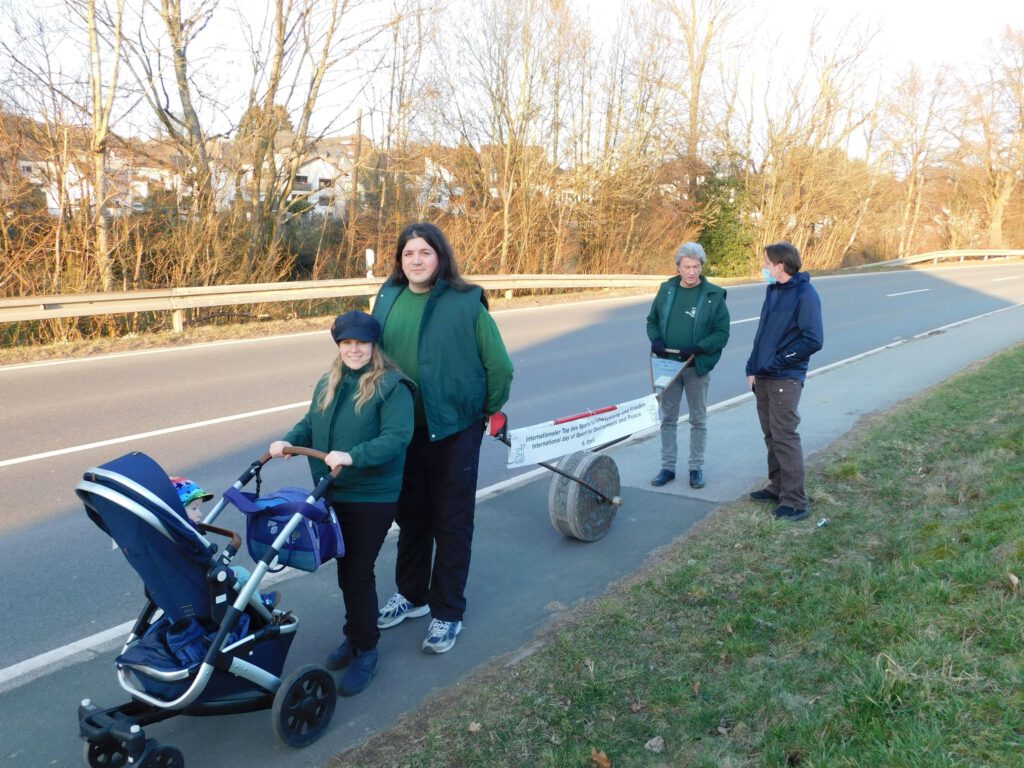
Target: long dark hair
(447, 269)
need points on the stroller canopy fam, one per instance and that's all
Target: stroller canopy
(132, 500)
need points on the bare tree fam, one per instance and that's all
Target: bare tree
(102, 99)
(996, 118)
(305, 41)
(70, 163)
(805, 187)
(913, 126)
(702, 26)
(146, 56)
(406, 93)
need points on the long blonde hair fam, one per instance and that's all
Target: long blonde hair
(369, 382)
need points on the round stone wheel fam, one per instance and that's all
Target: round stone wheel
(575, 510)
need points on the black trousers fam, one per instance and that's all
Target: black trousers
(364, 524)
(435, 515)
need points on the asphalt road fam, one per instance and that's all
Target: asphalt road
(62, 582)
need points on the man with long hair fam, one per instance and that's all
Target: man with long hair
(438, 330)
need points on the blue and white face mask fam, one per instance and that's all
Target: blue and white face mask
(768, 276)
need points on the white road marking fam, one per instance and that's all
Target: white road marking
(1001, 279)
(45, 663)
(25, 671)
(153, 433)
(907, 293)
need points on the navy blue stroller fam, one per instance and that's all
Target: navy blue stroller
(205, 643)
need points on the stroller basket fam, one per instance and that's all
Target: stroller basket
(314, 541)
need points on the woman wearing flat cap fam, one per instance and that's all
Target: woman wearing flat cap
(361, 415)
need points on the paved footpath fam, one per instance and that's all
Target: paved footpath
(524, 573)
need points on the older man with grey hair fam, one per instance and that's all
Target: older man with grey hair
(688, 320)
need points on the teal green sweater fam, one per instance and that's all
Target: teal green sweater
(376, 437)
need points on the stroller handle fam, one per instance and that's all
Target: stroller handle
(236, 540)
(296, 450)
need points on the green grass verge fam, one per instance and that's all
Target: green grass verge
(891, 637)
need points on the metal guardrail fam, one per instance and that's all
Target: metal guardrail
(179, 299)
(936, 256)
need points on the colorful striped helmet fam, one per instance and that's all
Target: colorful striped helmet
(189, 491)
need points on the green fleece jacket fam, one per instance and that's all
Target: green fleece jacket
(376, 437)
(710, 324)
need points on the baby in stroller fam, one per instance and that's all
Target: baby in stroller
(192, 498)
(205, 642)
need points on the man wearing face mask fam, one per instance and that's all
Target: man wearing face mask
(788, 333)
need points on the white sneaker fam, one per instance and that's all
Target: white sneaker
(398, 609)
(441, 636)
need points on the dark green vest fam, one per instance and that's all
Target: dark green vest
(452, 380)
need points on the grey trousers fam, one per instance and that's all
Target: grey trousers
(777, 403)
(696, 389)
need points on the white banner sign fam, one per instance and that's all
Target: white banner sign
(552, 439)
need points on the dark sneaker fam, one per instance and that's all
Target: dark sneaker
(788, 513)
(398, 609)
(696, 478)
(360, 673)
(441, 636)
(764, 495)
(341, 656)
(665, 476)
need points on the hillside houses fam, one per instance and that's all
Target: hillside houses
(145, 176)
(320, 182)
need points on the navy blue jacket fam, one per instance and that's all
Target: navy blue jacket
(789, 331)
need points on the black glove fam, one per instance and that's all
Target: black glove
(658, 347)
(685, 352)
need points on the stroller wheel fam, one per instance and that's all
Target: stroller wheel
(304, 705)
(164, 757)
(107, 754)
